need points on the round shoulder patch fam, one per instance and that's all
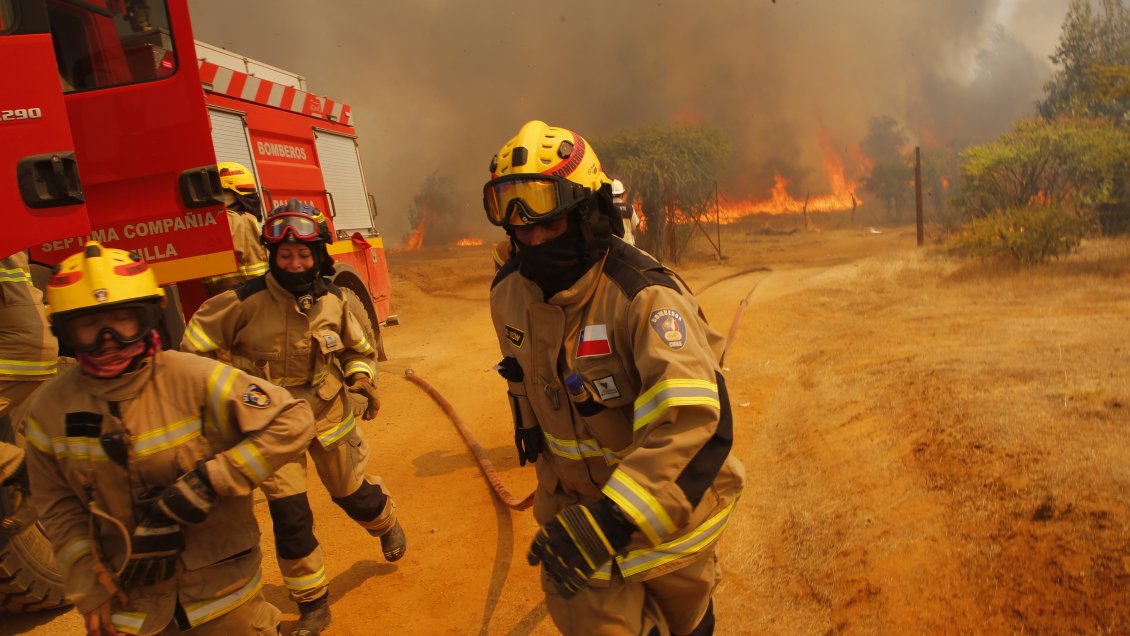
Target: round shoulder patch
(256, 397)
(668, 324)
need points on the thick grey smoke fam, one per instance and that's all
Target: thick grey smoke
(437, 86)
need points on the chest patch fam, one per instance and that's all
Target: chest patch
(330, 339)
(515, 336)
(606, 388)
(593, 342)
(668, 324)
(256, 397)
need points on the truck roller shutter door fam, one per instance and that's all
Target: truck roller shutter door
(341, 172)
(229, 138)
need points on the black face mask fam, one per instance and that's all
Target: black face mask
(248, 204)
(558, 263)
(301, 283)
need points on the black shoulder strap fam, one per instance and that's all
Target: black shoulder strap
(333, 289)
(509, 267)
(633, 270)
(249, 287)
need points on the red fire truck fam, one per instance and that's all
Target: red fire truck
(112, 121)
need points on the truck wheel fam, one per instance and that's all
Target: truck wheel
(29, 579)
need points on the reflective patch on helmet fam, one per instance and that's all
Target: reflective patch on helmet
(101, 295)
(669, 326)
(515, 336)
(256, 397)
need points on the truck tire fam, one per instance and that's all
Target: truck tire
(29, 579)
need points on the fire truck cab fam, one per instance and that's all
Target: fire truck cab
(112, 121)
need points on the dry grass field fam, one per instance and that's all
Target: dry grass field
(932, 446)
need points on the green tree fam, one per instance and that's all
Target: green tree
(891, 176)
(670, 170)
(1069, 162)
(1094, 59)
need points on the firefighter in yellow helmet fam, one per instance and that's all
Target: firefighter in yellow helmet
(617, 397)
(244, 213)
(296, 328)
(28, 357)
(143, 462)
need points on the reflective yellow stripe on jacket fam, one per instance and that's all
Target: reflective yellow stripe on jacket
(579, 449)
(341, 430)
(14, 275)
(29, 368)
(251, 270)
(199, 339)
(72, 551)
(639, 504)
(676, 392)
(638, 561)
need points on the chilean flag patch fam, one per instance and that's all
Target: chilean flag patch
(594, 342)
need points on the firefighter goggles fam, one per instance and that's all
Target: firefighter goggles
(300, 226)
(525, 199)
(125, 324)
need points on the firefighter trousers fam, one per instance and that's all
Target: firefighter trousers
(256, 617)
(671, 604)
(362, 496)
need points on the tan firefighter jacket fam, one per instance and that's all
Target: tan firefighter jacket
(250, 255)
(28, 351)
(176, 410)
(267, 334)
(661, 446)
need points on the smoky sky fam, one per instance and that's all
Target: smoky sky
(437, 86)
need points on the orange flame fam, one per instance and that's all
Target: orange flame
(415, 240)
(843, 195)
(470, 241)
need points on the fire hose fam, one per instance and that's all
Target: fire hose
(742, 305)
(485, 464)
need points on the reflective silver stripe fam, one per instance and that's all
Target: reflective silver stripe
(14, 275)
(219, 386)
(362, 346)
(254, 269)
(72, 551)
(639, 504)
(339, 431)
(128, 622)
(358, 366)
(37, 437)
(166, 437)
(691, 543)
(199, 338)
(579, 449)
(308, 582)
(679, 392)
(205, 611)
(78, 448)
(250, 461)
(28, 367)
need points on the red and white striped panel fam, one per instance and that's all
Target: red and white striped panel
(219, 79)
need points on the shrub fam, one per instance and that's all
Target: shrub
(1027, 235)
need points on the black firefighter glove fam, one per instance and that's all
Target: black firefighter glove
(527, 436)
(23, 515)
(158, 538)
(363, 386)
(580, 539)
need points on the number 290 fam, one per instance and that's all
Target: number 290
(15, 114)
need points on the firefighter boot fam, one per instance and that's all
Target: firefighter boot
(394, 543)
(314, 617)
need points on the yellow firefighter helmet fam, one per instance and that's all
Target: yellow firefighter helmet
(236, 177)
(100, 277)
(539, 174)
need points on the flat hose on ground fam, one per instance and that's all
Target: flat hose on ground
(480, 455)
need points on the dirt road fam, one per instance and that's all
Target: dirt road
(931, 447)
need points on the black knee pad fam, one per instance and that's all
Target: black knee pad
(365, 504)
(294, 526)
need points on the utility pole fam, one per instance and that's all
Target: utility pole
(918, 194)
